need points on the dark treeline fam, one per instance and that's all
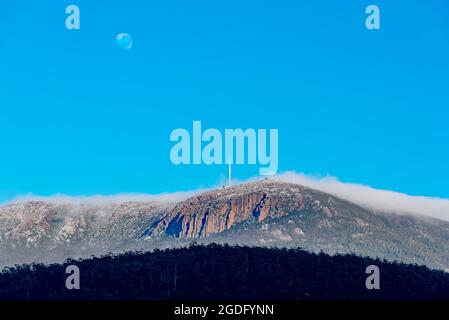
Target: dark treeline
(223, 272)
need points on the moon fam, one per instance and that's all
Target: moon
(124, 41)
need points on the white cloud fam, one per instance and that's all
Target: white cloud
(368, 197)
(163, 198)
(376, 199)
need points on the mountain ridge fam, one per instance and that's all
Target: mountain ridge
(261, 213)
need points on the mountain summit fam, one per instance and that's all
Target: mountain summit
(261, 213)
(219, 210)
(285, 214)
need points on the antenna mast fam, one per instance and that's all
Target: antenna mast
(230, 174)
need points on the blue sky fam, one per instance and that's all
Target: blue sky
(78, 115)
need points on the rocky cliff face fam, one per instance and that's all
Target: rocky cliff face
(216, 211)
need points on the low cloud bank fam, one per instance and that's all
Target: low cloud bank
(368, 197)
(362, 195)
(163, 198)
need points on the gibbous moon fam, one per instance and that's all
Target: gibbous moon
(124, 41)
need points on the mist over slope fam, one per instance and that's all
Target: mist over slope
(50, 232)
(376, 199)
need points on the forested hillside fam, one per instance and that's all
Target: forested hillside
(224, 272)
